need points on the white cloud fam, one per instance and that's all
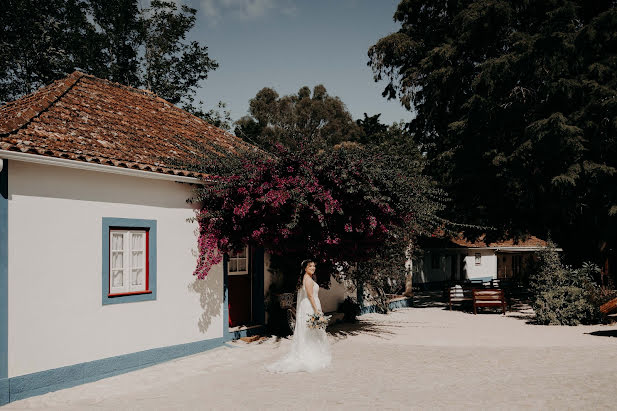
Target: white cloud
(244, 9)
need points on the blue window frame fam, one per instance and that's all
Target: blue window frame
(109, 224)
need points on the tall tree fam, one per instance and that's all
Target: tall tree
(173, 67)
(41, 42)
(516, 110)
(114, 39)
(119, 29)
(318, 119)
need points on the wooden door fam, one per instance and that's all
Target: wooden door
(239, 283)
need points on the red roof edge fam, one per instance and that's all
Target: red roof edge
(20, 112)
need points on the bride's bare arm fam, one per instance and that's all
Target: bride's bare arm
(308, 287)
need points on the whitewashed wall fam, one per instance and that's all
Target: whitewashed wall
(487, 268)
(423, 272)
(330, 299)
(55, 313)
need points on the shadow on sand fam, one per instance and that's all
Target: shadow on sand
(362, 326)
(604, 333)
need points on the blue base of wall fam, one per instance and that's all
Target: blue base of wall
(24, 386)
(405, 302)
(234, 335)
(4, 391)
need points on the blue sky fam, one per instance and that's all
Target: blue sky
(286, 44)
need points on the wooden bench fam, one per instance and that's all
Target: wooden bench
(489, 298)
(609, 307)
(458, 294)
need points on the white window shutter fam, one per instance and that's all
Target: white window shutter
(118, 262)
(138, 261)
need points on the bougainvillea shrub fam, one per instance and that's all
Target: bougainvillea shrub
(337, 205)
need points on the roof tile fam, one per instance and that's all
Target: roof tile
(85, 118)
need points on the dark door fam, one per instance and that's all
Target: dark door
(239, 283)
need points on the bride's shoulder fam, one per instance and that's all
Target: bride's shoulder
(308, 280)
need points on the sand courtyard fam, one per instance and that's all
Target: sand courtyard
(424, 357)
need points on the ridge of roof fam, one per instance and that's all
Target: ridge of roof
(17, 114)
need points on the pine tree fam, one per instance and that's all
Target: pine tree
(516, 110)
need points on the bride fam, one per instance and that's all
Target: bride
(310, 350)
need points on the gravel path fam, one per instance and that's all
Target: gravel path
(414, 358)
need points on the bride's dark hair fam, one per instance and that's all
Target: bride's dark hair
(303, 265)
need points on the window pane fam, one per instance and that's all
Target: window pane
(117, 241)
(242, 264)
(138, 241)
(137, 277)
(117, 259)
(117, 278)
(242, 254)
(233, 265)
(137, 259)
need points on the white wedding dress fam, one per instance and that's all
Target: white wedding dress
(310, 350)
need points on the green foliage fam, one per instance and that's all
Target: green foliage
(218, 117)
(118, 34)
(173, 68)
(114, 39)
(41, 42)
(516, 110)
(563, 295)
(388, 270)
(319, 120)
(338, 206)
(565, 305)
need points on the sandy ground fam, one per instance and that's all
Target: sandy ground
(414, 358)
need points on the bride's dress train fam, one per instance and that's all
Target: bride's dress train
(310, 350)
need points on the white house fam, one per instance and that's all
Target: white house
(96, 253)
(458, 259)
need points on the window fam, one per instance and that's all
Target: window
(128, 264)
(239, 262)
(478, 259)
(129, 260)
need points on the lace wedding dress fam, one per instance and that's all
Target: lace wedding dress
(310, 350)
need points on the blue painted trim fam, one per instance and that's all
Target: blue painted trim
(4, 391)
(234, 335)
(128, 223)
(259, 310)
(406, 302)
(4, 276)
(484, 279)
(403, 303)
(225, 299)
(42, 382)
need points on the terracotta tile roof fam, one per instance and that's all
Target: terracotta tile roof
(529, 242)
(85, 118)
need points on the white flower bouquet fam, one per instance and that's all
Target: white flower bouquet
(318, 321)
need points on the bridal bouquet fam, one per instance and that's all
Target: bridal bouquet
(316, 321)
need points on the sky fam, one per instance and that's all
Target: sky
(287, 44)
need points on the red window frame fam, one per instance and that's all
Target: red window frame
(146, 261)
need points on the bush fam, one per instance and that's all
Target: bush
(350, 309)
(565, 305)
(563, 295)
